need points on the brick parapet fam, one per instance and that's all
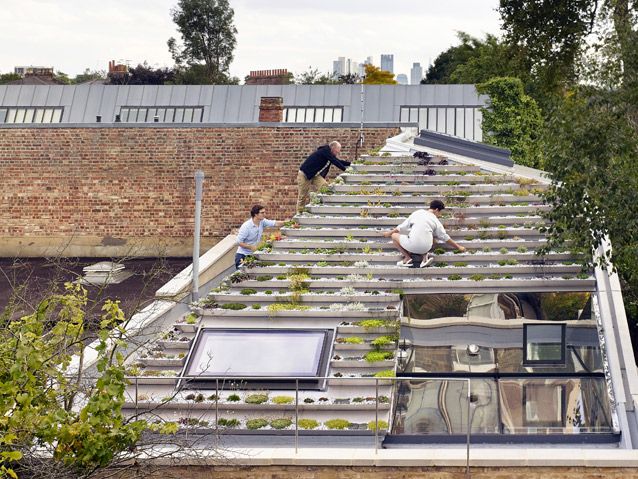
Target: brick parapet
(138, 182)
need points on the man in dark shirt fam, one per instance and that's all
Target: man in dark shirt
(313, 171)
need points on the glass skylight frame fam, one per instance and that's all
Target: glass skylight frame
(529, 361)
(309, 378)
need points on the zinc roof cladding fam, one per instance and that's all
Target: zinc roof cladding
(236, 103)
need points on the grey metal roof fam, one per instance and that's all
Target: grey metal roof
(236, 103)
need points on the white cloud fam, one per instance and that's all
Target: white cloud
(75, 34)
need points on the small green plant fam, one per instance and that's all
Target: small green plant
(263, 278)
(247, 291)
(454, 277)
(460, 264)
(508, 262)
(477, 277)
(521, 249)
(503, 250)
(380, 424)
(439, 265)
(439, 251)
(256, 306)
(213, 397)
(351, 340)
(283, 399)
(191, 318)
(233, 398)
(275, 307)
(386, 373)
(582, 276)
(268, 291)
(371, 323)
(486, 249)
(233, 306)
(282, 277)
(382, 341)
(256, 423)
(256, 399)
(337, 423)
(374, 356)
(281, 423)
(224, 422)
(322, 264)
(308, 423)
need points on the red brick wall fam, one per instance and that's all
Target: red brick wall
(138, 182)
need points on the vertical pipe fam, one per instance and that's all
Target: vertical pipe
(469, 428)
(296, 415)
(376, 415)
(199, 180)
(217, 408)
(136, 409)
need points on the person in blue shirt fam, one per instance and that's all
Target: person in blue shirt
(250, 233)
(313, 171)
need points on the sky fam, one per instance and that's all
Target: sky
(72, 35)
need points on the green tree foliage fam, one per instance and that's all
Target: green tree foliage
(313, 76)
(591, 153)
(551, 35)
(208, 38)
(376, 76)
(89, 75)
(144, 74)
(512, 120)
(475, 60)
(8, 77)
(44, 402)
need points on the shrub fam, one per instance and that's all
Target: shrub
(268, 291)
(247, 291)
(222, 421)
(386, 373)
(233, 398)
(337, 423)
(308, 400)
(374, 356)
(382, 341)
(308, 423)
(439, 251)
(256, 306)
(256, 423)
(256, 399)
(287, 307)
(233, 306)
(191, 318)
(263, 278)
(371, 323)
(454, 277)
(352, 340)
(477, 277)
(213, 397)
(381, 424)
(503, 250)
(283, 399)
(282, 423)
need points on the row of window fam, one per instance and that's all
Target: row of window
(313, 114)
(31, 115)
(461, 122)
(186, 114)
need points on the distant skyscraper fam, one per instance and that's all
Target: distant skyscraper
(387, 62)
(416, 74)
(402, 79)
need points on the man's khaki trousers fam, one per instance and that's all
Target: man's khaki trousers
(304, 185)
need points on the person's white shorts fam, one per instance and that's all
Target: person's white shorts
(420, 245)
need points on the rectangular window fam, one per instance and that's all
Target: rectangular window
(259, 354)
(31, 114)
(544, 344)
(147, 114)
(313, 114)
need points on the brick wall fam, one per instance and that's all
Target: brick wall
(352, 472)
(107, 186)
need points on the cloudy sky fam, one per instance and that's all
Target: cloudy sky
(72, 35)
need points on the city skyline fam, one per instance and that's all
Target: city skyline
(74, 35)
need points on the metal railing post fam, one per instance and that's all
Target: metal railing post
(296, 416)
(376, 415)
(217, 408)
(469, 429)
(136, 408)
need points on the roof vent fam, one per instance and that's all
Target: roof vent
(105, 272)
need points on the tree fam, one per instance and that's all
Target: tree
(144, 74)
(313, 76)
(376, 76)
(440, 72)
(512, 120)
(208, 37)
(8, 78)
(551, 35)
(89, 75)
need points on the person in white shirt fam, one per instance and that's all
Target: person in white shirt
(417, 233)
(250, 233)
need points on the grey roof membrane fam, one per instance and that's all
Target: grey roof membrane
(236, 103)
